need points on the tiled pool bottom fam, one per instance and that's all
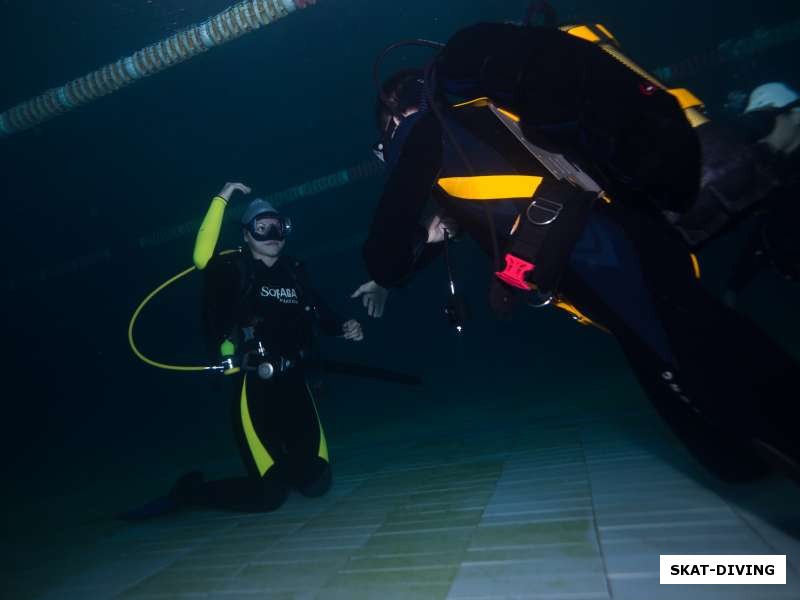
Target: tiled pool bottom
(492, 505)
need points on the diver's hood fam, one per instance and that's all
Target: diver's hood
(394, 147)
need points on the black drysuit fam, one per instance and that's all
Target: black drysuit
(712, 375)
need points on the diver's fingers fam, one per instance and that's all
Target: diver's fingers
(352, 330)
(355, 335)
(362, 289)
(450, 227)
(231, 187)
(379, 310)
(370, 305)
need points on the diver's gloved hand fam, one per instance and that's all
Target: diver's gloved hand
(230, 188)
(374, 298)
(352, 330)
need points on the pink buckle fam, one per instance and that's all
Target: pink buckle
(515, 271)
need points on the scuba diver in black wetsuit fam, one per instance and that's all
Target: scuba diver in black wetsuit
(560, 168)
(752, 174)
(260, 310)
(772, 118)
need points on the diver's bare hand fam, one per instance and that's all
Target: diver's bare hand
(352, 330)
(230, 188)
(440, 226)
(304, 3)
(373, 297)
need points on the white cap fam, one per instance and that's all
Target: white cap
(771, 95)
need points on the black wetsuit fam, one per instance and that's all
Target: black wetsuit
(275, 421)
(714, 377)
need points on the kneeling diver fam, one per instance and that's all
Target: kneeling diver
(260, 304)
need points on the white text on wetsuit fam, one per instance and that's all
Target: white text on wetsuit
(283, 295)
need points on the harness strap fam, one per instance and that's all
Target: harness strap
(541, 244)
(543, 238)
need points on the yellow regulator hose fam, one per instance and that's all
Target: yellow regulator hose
(137, 312)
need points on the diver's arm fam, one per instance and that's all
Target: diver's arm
(373, 297)
(208, 234)
(429, 254)
(329, 322)
(396, 238)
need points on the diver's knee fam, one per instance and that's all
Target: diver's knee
(273, 496)
(319, 484)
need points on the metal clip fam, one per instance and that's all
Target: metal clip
(544, 300)
(549, 208)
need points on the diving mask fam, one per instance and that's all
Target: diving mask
(276, 229)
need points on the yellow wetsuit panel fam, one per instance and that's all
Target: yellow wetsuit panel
(322, 451)
(208, 234)
(261, 457)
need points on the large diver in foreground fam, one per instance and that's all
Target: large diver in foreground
(559, 160)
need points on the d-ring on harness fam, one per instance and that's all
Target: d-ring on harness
(542, 240)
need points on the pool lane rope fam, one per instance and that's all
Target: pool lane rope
(232, 23)
(250, 15)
